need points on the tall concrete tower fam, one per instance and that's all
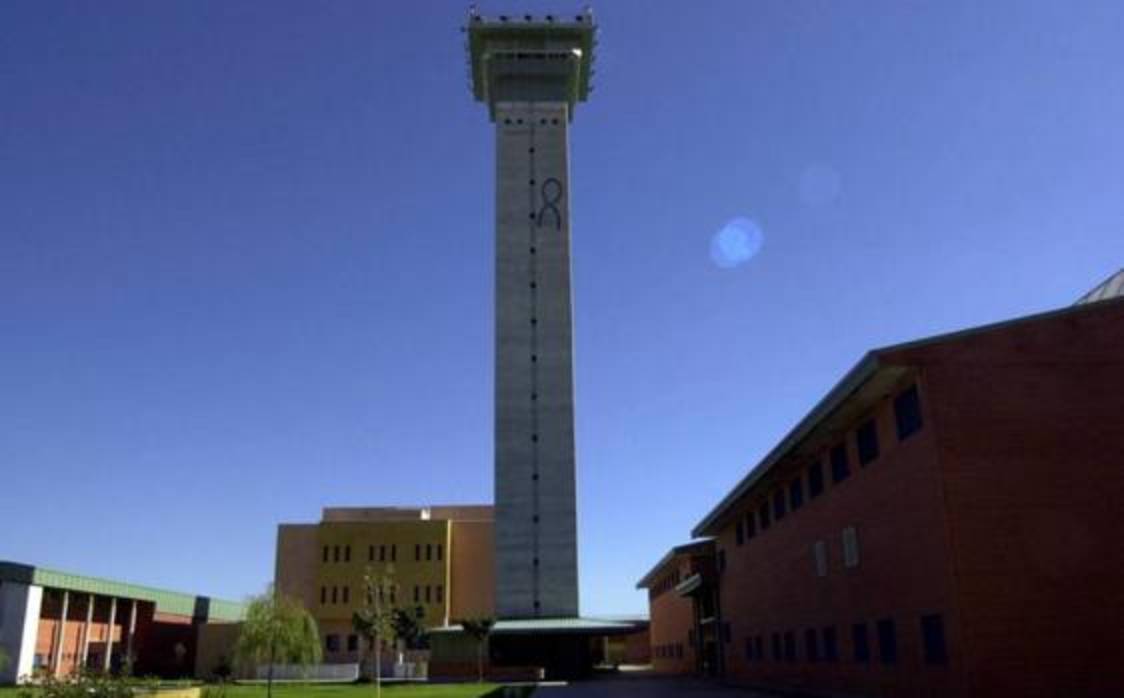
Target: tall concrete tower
(531, 72)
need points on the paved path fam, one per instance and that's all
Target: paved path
(644, 687)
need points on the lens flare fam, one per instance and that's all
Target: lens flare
(736, 243)
(819, 185)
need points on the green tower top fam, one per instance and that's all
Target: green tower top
(524, 58)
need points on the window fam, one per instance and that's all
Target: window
(811, 646)
(382, 553)
(850, 547)
(789, 647)
(429, 552)
(887, 641)
(393, 552)
(739, 533)
(815, 480)
(749, 649)
(721, 560)
(777, 647)
(370, 553)
(678, 650)
(346, 594)
(932, 638)
(860, 642)
(325, 553)
(830, 645)
(750, 526)
(866, 438)
(440, 594)
(428, 597)
(335, 595)
(347, 554)
(352, 643)
(335, 553)
(796, 494)
(907, 412)
(332, 643)
(417, 593)
(779, 504)
(323, 595)
(763, 516)
(819, 553)
(417, 553)
(440, 552)
(394, 594)
(839, 467)
(758, 645)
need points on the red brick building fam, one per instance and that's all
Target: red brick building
(57, 622)
(943, 523)
(683, 610)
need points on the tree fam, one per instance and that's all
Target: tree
(277, 629)
(478, 629)
(3, 658)
(408, 626)
(374, 621)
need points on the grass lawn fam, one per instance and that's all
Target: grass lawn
(464, 690)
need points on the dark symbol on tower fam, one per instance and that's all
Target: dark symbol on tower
(551, 194)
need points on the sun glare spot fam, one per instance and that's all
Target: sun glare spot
(736, 243)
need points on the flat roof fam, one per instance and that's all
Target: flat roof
(172, 602)
(694, 546)
(557, 626)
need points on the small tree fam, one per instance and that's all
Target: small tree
(374, 621)
(277, 628)
(478, 629)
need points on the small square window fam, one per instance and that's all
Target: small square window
(796, 494)
(932, 636)
(866, 438)
(815, 480)
(860, 642)
(779, 502)
(840, 469)
(907, 412)
(332, 643)
(887, 641)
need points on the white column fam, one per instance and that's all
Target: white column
(20, 606)
(107, 660)
(85, 653)
(132, 631)
(60, 635)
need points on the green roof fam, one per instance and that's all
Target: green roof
(198, 607)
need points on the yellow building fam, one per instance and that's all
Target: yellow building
(437, 559)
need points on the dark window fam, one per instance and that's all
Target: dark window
(779, 504)
(370, 553)
(428, 599)
(815, 480)
(789, 647)
(440, 594)
(777, 647)
(332, 643)
(440, 551)
(839, 467)
(811, 646)
(721, 560)
(763, 516)
(907, 412)
(887, 641)
(417, 593)
(335, 553)
(749, 648)
(346, 594)
(830, 645)
(323, 595)
(796, 494)
(325, 553)
(678, 650)
(429, 552)
(866, 437)
(393, 552)
(758, 645)
(417, 552)
(347, 554)
(739, 533)
(352, 643)
(932, 637)
(691, 637)
(861, 642)
(335, 595)
(750, 526)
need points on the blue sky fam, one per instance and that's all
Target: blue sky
(246, 271)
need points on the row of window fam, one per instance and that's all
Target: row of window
(791, 497)
(667, 583)
(822, 644)
(342, 553)
(850, 540)
(332, 643)
(672, 650)
(338, 595)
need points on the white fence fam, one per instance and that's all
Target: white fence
(313, 672)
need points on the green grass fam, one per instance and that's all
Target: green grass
(464, 690)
